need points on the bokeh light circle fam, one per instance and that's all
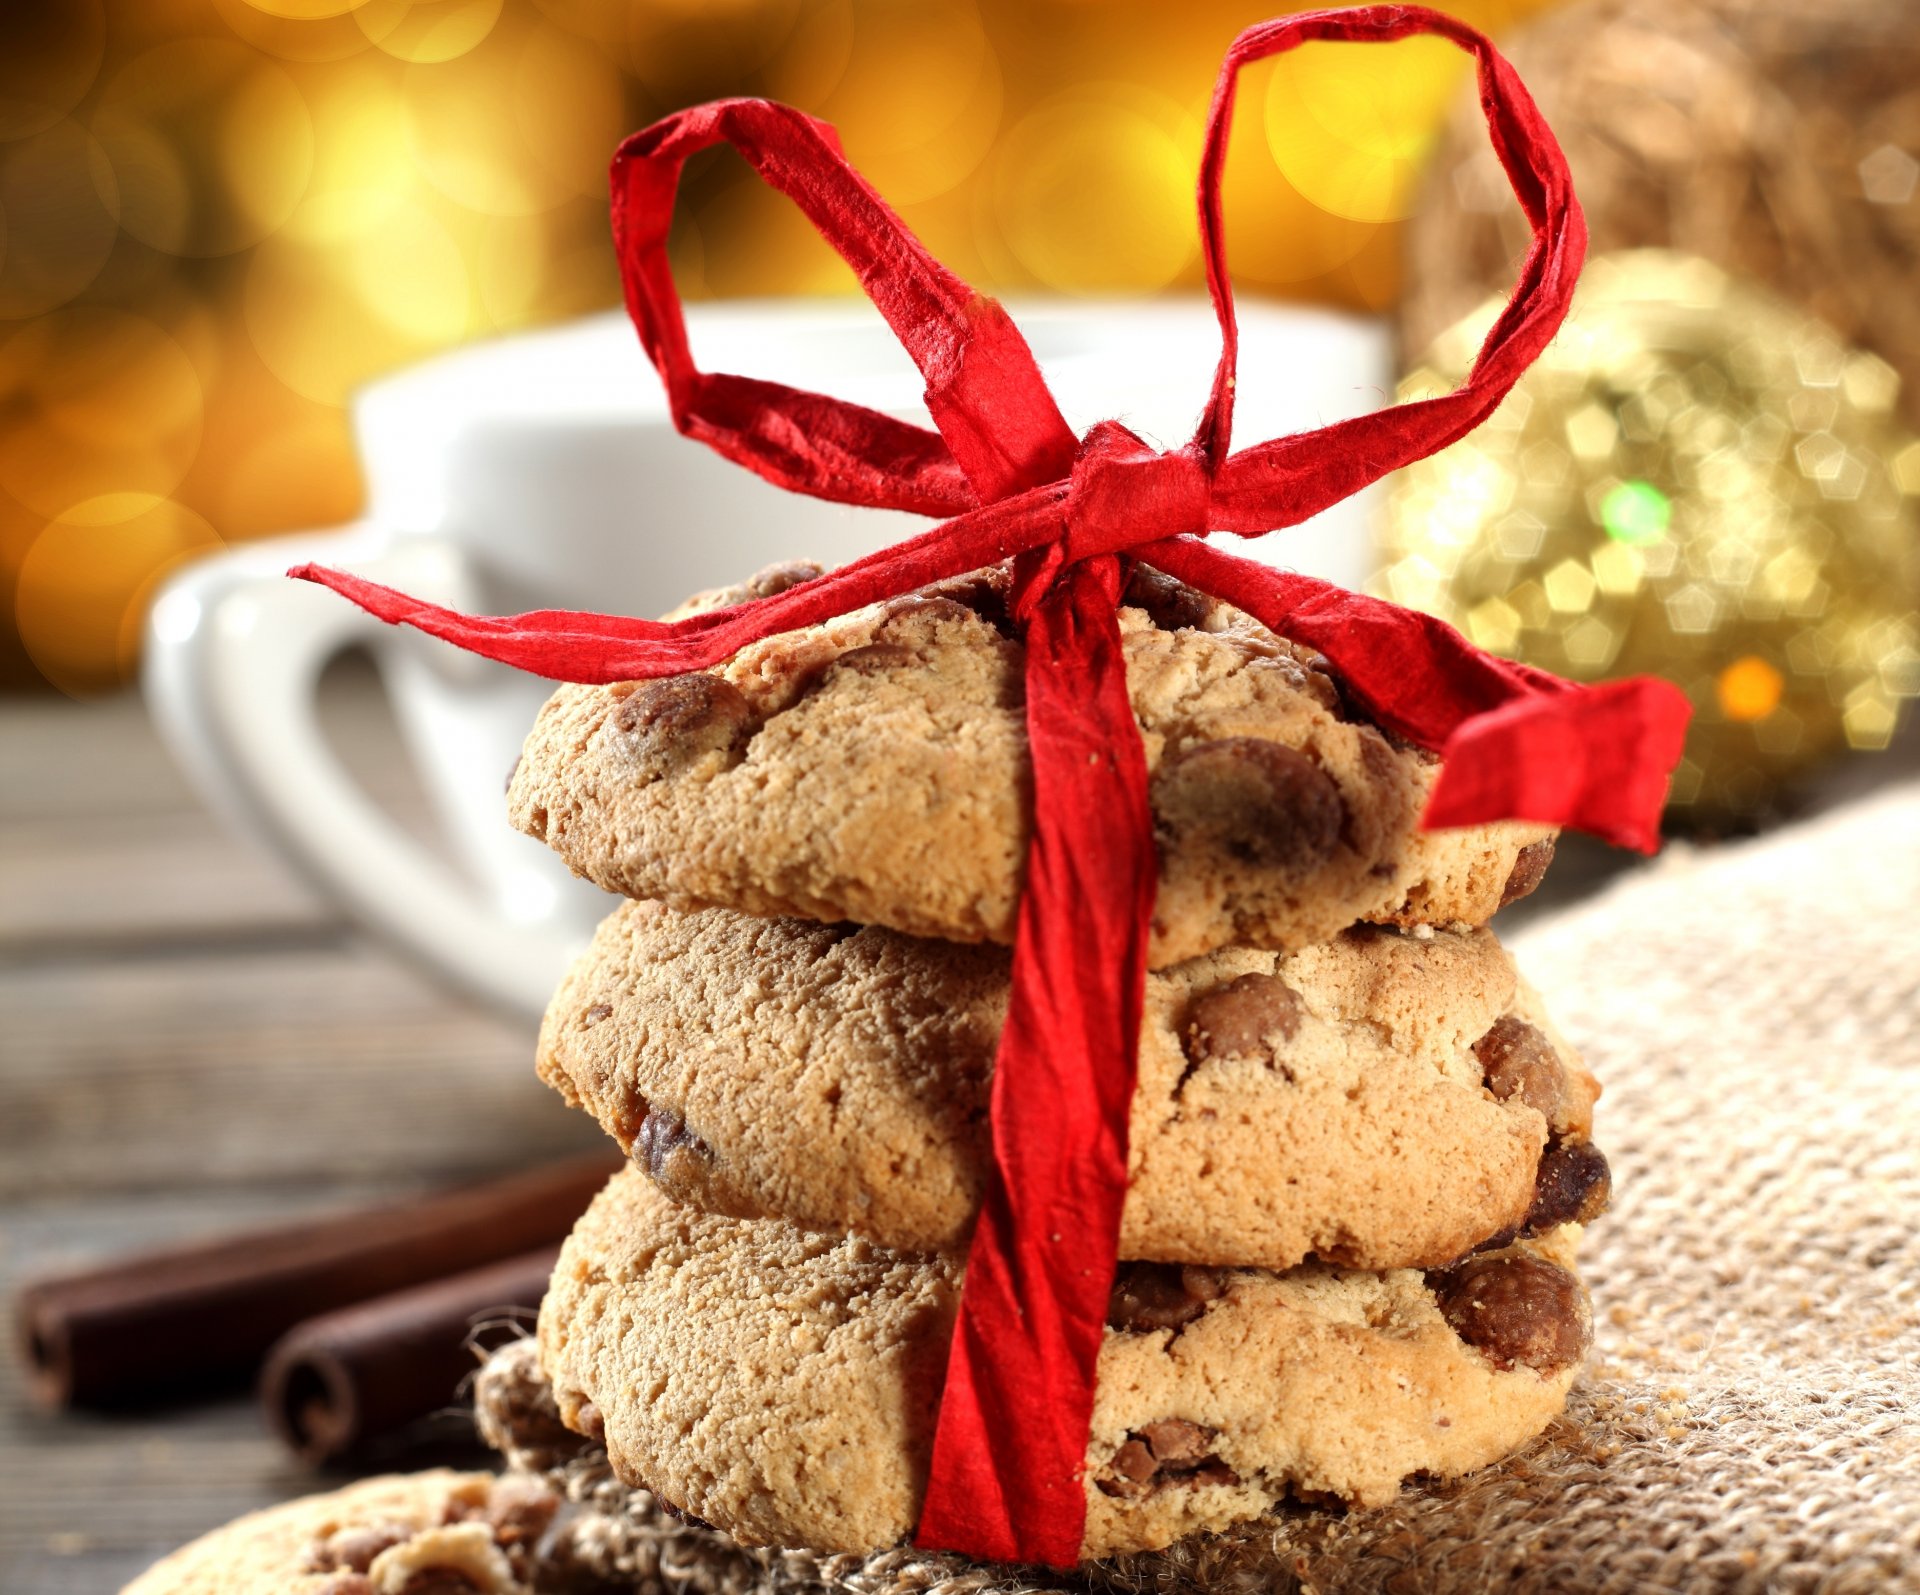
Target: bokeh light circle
(82, 590)
(62, 205)
(115, 403)
(569, 110)
(103, 375)
(215, 96)
(685, 51)
(332, 37)
(754, 241)
(362, 168)
(1694, 480)
(1093, 191)
(815, 58)
(427, 31)
(1351, 124)
(920, 100)
(299, 473)
(509, 265)
(51, 57)
(302, 10)
(156, 189)
(394, 292)
(412, 275)
(603, 21)
(529, 121)
(1275, 234)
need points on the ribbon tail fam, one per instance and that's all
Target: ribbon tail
(576, 645)
(1007, 1478)
(559, 644)
(1595, 758)
(1518, 742)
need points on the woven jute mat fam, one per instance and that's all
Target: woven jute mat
(1751, 1419)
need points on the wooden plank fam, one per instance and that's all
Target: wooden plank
(87, 1500)
(77, 885)
(61, 759)
(276, 1066)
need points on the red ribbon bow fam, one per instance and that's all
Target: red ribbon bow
(1007, 1480)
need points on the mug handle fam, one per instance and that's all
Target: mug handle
(232, 665)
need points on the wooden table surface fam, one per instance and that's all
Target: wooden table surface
(190, 1041)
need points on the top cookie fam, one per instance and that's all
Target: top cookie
(875, 769)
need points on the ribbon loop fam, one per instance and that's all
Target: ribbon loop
(1000, 430)
(1283, 482)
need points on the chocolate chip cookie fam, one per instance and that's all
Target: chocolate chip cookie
(1379, 1100)
(436, 1533)
(782, 1385)
(875, 768)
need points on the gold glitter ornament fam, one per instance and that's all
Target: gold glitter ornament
(1695, 480)
(1780, 139)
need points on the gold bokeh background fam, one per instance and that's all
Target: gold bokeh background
(218, 218)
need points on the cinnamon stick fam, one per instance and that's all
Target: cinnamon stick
(201, 1316)
(336, 1385)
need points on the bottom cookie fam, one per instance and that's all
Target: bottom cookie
(783, 1385)
(435, 1533)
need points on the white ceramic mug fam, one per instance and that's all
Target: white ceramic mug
(542, 471)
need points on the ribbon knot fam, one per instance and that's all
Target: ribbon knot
(1121, 494)
(1124, 494)
(1006, 1476)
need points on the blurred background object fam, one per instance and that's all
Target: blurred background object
(1698, 481)
(1712, 475)
(220, 217)
(1778, 138)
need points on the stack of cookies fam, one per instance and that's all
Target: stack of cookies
(1359, 1154)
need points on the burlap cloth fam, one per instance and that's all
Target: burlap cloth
(1751, 1419)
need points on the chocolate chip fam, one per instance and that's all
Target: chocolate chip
(1251, 1017)
(1177, 1442)
(1529, 869)
(1573, 1186)
(672, 1156)
(439, 1581)
(1134, 1462)
(353, 1549)
(1324, 685)
(875, 659)
(1249, 803)
(1166, 1451)
(1170, 604)
(1162, 1295)
(778, 578)
(1514, 1309)
(596, 1014)
(588, 1423)
(674, 721)
(680, 1514)
(984, 592)
(925, 606)
(1520, 1065)
(519, 1510)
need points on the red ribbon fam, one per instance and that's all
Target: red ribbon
(1007, 1473)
